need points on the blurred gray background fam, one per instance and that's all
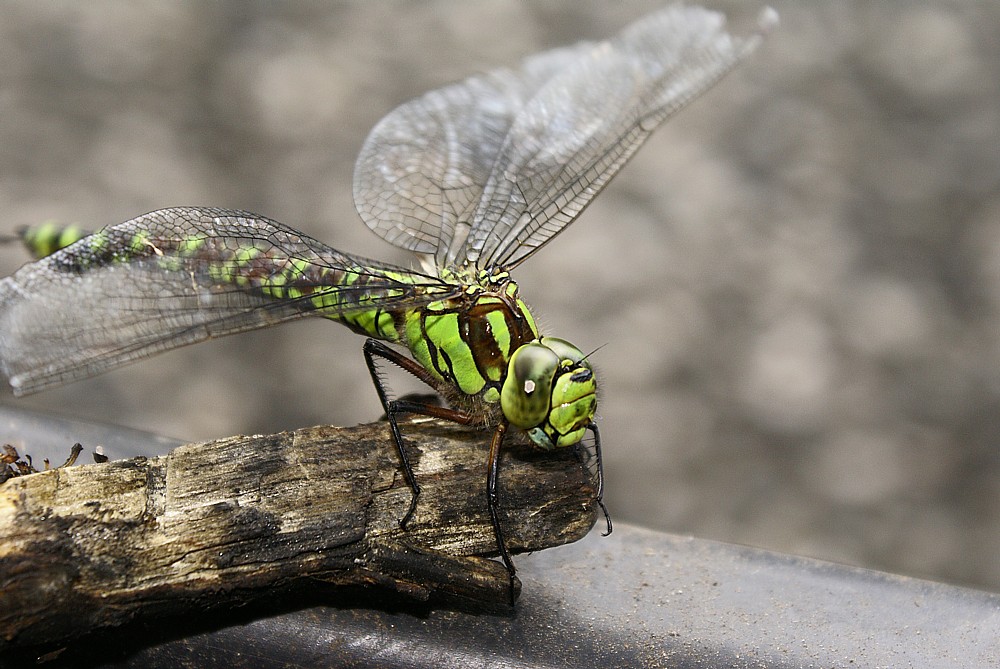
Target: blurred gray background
(795, 285)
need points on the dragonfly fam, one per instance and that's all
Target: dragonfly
(474, 178)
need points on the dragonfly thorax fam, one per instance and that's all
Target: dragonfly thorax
(467, 340)
(484, 349)
(550, 392)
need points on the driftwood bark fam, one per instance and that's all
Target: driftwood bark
(233, 520)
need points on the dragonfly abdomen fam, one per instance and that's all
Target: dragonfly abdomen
(376, 323)
(48, 237)
(229, 252)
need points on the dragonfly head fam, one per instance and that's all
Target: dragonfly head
(550, 392)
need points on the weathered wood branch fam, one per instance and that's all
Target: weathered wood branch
(224, 522)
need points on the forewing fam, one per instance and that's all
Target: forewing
(488, 170)
(175, 277)
(420, 175)
(589, 118)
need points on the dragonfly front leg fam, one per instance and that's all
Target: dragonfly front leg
(492, 502)
(600, 474)
(393, 407)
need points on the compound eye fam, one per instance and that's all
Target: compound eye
(526, 392)
(565, 350)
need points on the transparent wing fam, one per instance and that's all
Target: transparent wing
(175, 277)
(420, 175)
(486, 171)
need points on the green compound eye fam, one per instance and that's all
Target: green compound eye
(550, 392)
(569, 355)
(527, 390)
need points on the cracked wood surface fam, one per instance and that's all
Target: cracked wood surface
(234, 520)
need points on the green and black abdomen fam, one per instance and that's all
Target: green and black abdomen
(227, 253)
(178, 276)
(48, 237)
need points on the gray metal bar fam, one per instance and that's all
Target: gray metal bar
(635, 599)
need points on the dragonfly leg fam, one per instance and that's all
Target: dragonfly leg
(600, 475)
(374, 348)
(492, 502)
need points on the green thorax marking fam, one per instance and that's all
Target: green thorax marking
(466, 341)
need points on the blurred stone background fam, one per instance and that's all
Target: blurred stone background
(795, 285)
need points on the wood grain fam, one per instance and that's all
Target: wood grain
(230, 521)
